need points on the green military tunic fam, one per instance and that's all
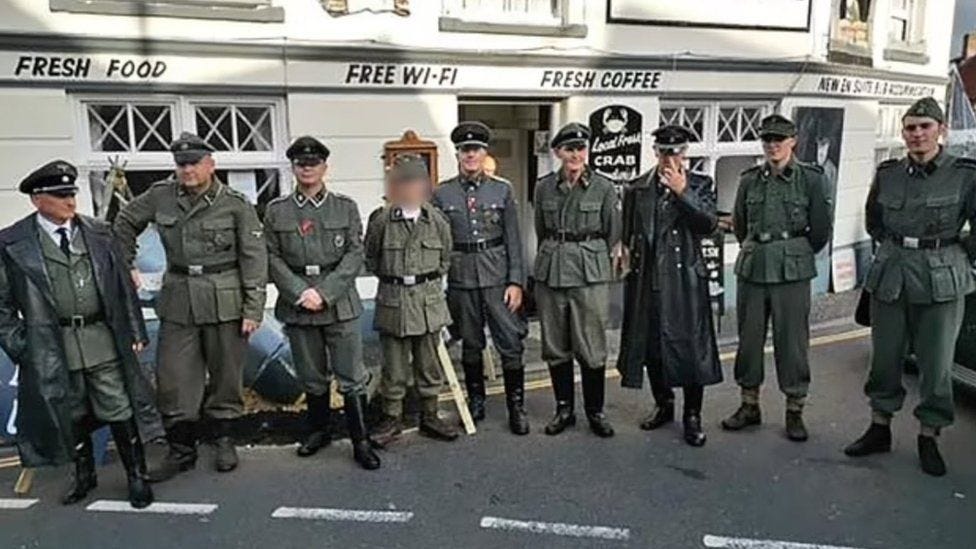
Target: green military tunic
(781, 221)
(410, 258)
(577, 227)
(97, 384)
(316, 242)
(217, 269)
(919, 278)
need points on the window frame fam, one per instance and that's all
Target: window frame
(259, 11)
(567, 22)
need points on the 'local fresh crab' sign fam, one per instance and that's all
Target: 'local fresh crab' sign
(615, 142)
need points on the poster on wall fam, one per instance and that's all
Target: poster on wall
(790, 15)
(615, 143)
(820, 134)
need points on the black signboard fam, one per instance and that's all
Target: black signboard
(615, 145)
(713, 254)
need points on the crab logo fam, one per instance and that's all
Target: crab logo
(615, 124)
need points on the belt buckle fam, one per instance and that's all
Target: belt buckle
(77, 322)
(785, 235)
(765, 237)
(481, 245)
(409, 280)
(313, 270)
(910, 242)
(194, 270)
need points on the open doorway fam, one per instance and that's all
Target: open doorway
(520, 147)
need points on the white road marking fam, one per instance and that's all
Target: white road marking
(743, 543)
(316, 513)
(17, 503)
(117, 506)
(556, 528)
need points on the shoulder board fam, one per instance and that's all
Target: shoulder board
(497, 179)
(752, 170)
(810, 166)
(969, 163)
(235, 193)
(163, 183)
(278, 200)
(889, 163)
(343, 197)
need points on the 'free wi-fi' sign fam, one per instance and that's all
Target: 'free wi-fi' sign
(615, 142)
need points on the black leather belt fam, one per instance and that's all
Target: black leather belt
(80, 321)
(924, 243)
(309, 270)
(765, 237)
(196, 270)
(410, 280)
(563, 236)
(469, 247)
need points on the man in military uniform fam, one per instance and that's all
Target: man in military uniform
(408, 247)
(667, 326)
(577, 220)
(212, 299)
(315, 252)
(918, 280)
(781, 219)
(70, 319)
(487, 274)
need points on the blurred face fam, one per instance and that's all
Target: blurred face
(309, 172)
(777, 148)
(195, 176)
(58, 208)
(921, 135)
(409, 193)
(471, 158)
(573, 156)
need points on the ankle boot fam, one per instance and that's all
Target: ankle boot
(317, 434)
(564, 390)
(182, 454)
(929, 457)
(694, 435)
(84, 479)
(129, 446)
(876, 440)
(795, 429)
(518, 423)
(225, 458)
(474, 382)
(662, 415)
(594, 392)
(362, 446)
(747, 414)
(432, 425)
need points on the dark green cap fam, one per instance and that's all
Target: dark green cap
(408, 167)
(57, 177)
(189, 148)
(926, 107)
(777, 125)
(573, 133)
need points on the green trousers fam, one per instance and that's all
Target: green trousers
(406, 356)
(322, 351)
(99, 391)
(933, 328)
(788, 306)
(574, 324)
(200, 367)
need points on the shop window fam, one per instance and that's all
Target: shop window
(242, 10)
(889, 142)
(739, 123)
(691, 117)
(131, 127)
(850, 36)
(238, 128)
(534, 17)
(135, 134)
(906, 41)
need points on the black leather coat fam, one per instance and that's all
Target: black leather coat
(31, 336)
(688, 351)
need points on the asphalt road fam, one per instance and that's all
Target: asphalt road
(649, 490)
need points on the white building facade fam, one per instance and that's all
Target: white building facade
(102, 81)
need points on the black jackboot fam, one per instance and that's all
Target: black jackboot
(362, 447)
(84, 479)
(594, 388)
(876, 440)
(929, 457)
(518, 423)
(317, 434)
(694, 435)
(663, 409)
(564, 390)
(474, 382)
(129, 446)
(182, 455)
(225, 459)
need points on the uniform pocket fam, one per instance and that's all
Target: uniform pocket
(797, 212)
(431, 249)
(798, 260)
(228, 304)
(596, 261)
(590, 215)
(754, 205)
(334, 238)
(219, 235)
(943, 277)
(941, 213)
(435, 307)
(542, 262)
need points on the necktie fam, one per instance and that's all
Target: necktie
(64, 244)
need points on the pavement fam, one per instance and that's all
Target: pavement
(649, 490)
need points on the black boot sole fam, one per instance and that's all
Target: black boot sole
(739, 427)
(553, 429)
(76, 496)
